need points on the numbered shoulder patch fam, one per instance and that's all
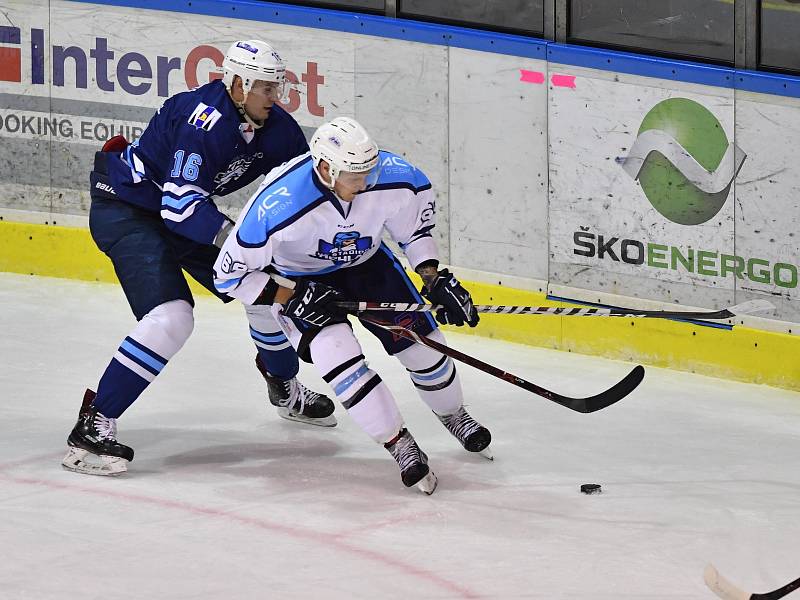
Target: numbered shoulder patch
(204, 117)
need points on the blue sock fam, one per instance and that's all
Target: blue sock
(276, 353)
(131, 370)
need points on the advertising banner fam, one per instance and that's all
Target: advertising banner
(69, 82)
(642, 187)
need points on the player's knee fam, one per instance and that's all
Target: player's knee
(333, 345)
(175, 319)
(419, 357)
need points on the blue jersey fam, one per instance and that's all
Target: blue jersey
(195, 147)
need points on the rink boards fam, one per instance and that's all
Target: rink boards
(593, 175)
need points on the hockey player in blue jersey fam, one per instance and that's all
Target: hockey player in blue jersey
(311, 236)
(152, 213)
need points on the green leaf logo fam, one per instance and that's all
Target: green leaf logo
(683, 161)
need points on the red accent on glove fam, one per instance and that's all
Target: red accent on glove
(115, 144)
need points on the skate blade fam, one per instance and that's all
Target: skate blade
(285, 413)
(428, 483)
(108, 466)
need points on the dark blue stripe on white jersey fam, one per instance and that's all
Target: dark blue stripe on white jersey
(399, 185)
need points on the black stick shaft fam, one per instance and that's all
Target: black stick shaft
(582, 405)
(779, 593)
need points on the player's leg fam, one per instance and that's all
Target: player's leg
(437, 382)
(338, 357)
(162, 304)
(276, 360)
(293, 400)
(434, 375)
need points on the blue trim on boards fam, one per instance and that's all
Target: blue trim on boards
(768, 83)
(637, 64)
(473, 39)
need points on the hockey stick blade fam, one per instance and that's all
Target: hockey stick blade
(728, 591)
(745, 308)
(582, 405)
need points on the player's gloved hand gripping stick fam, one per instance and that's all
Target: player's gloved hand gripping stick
(315, 303)
(456, 303)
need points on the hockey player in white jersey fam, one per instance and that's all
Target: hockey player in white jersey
(311, 236)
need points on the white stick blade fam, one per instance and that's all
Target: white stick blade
(721, 586)
(752, 306)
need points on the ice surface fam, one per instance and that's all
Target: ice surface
(226, 500)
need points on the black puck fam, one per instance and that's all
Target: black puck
(591, 488)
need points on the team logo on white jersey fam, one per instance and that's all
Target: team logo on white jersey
(347, 247)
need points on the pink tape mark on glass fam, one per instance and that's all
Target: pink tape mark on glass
(563, 80)
(531, 76)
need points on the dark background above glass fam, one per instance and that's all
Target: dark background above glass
(525, 16)
(780, 35)
(378, 6)
(684, 28)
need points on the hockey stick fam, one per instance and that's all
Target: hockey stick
(726, 590)
(726, 313)
(583, 405)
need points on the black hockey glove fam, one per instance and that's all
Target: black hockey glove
(313, 303)
(456, 301)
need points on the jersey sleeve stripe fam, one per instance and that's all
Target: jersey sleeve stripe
(168, 214)
(180, 190)
(179, 204)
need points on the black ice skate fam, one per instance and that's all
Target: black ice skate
(472, 435)
(95, 434)
(296, 402)
(413, 462)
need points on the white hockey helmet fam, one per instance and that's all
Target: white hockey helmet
(347, 147)
(254, 60)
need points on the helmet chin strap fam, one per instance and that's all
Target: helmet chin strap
(331, 186)
(243, 113)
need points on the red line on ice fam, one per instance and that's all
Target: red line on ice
(333, 540)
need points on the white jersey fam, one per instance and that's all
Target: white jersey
(296, 226)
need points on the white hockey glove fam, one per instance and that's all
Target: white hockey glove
(314, 303)
(446, 290)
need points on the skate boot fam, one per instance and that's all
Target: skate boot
(296, 402)
(95, 434)
(472, 435)
(413, 462)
